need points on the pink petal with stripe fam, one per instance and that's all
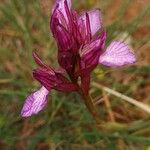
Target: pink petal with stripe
(117, 54)
(60, 5)
(95, 18)
(35, 102)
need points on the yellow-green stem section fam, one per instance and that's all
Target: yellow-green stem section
(89, 104)
(91, 107)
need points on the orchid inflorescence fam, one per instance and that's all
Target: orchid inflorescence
(81, 47)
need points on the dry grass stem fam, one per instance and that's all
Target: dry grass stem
(142, 106)
(108, 106)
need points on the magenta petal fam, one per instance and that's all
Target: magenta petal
(63, 38)
(89, 55)
(96, 44)
(91, 52)
(35, 102)
(117, 54)
(39, 61)
(60, 5)
(95, 18)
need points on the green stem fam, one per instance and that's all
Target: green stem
(88, 102)
(91, 107)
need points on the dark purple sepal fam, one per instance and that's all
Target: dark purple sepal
(54, 80)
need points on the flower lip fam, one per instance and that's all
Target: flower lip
(35, 102)
(117, 54)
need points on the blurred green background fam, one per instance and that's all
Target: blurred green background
(66, 124)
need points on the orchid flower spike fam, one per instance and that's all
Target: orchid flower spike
(81, 47)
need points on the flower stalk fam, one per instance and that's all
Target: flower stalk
(92, 108)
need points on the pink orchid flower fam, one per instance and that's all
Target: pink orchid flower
(81, 47)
